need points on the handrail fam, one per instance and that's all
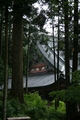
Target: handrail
(19, 118)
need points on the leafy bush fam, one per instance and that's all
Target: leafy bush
(60, 108)
(57, 114)
(38, 109)
(34, 107)
(72, 93)
(14, 108)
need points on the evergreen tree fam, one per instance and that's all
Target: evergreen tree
(20, 8)
(17, 58)
(6, 63)
(75, 41)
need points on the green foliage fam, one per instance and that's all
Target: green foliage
(59, 113)
(14, 108)
(1, 104)
(28, 98)
(61, 107)
(60, 95)
(34, 107)
(76, 76)
(61, 44)
(55, 115)
(24, 60)
(72, 93)
(1, 71)
(9, 71)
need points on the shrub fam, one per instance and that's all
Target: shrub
(14, 108)
(36, 107)
(59, 113)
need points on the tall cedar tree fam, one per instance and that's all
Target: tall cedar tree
(17, 53)
(20, 7)
(75, 41)
(6, 64)
(68, 112)
(75, 54)
(1, 20)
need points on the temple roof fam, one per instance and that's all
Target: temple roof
(36, 80)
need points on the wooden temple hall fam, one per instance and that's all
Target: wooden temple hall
(41, 79)
(41, 75)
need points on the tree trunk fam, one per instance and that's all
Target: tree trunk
(67, 71)
(75, 52)
(6, 64)
(27, 67)
(75, 42)
(1, 31)
(58, 52)
(17, 60)
(54, 63)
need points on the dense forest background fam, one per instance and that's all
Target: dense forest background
(21, 27)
